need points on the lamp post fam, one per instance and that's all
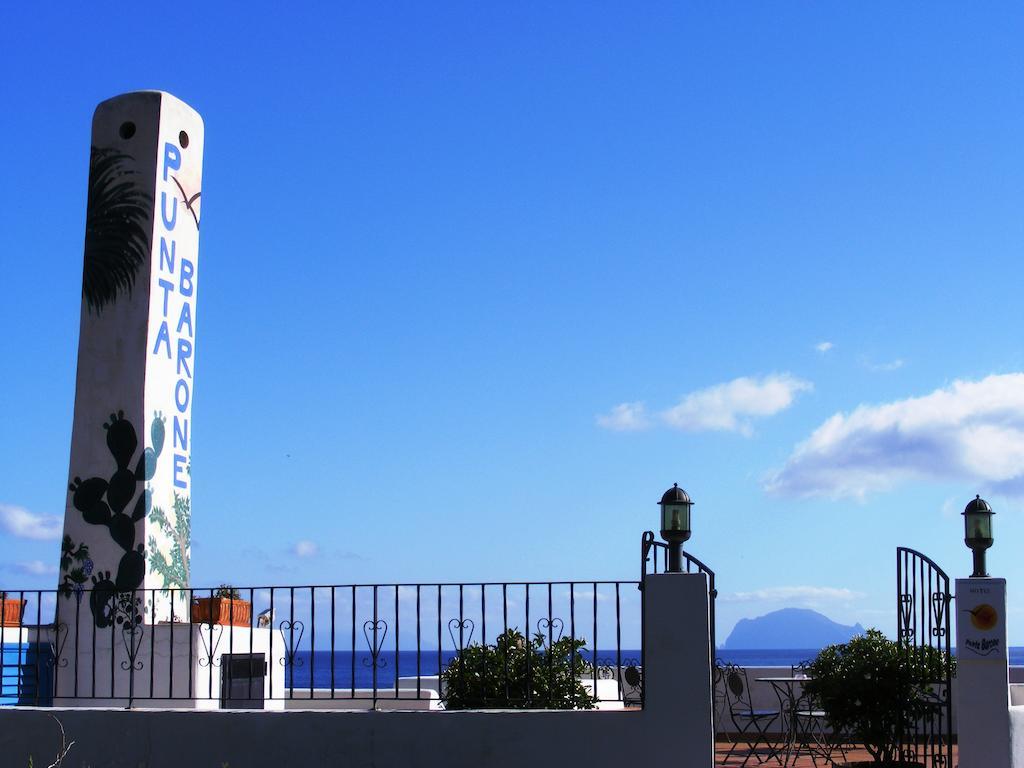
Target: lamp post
(978, 532)
(675, 524)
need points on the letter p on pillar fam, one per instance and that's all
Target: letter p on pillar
(172, 158)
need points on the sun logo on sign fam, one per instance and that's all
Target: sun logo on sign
(984, 617)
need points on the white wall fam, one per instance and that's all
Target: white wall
(173, 668)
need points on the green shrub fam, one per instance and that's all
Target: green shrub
(515, 673)
(874, 690)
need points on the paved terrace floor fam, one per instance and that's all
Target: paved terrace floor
(803, 761)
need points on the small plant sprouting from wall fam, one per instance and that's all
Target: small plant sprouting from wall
(62, 752)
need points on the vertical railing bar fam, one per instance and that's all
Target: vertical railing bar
(333, 619)
(270, 652)
(113, 646)
(483, 641)
(312, 640)
(373, 651)
(618, 640)
(529, 649)
(94, 632)
(170, 641)
(56, 642)
(39, 622)
(352, 680)
(595, 637)
(551, 640)
(397, 650)
(419, 655)
(504, 622)
(572, 630)
(210, 649)
(252, 635)
(3, 638)
(78, 633)
(462, 637)
(78, 636)
(131, 643)
(439, 661)
(191, 644)
(152, 643)
(290, 650)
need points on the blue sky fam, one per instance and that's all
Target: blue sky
(478, 283)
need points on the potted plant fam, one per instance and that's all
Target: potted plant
(874, 690)
(13, 609)
(226, 607)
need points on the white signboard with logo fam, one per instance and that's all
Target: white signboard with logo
(982, 680)
(980, 619)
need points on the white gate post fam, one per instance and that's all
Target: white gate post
(982, 690)
(677, 666)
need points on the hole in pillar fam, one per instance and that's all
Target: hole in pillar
(183, 139)
(127, 130)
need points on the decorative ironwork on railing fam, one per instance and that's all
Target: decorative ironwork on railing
(557, 644)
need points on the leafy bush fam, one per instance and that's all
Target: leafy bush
(516, 673)
(228, 592)
(874, 690)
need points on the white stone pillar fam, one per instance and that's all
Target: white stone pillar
(982, 689)
(677, 667)
(127, 519)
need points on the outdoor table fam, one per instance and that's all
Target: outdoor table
(785, 690)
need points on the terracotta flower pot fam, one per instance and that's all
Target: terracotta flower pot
(12, 613)
(221, 610)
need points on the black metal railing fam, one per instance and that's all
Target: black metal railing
(654, 559)
(558, 644)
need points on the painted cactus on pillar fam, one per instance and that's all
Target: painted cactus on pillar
(127, 520)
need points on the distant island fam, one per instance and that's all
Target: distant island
(789, 628)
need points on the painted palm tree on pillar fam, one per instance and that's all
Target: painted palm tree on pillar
(117, 228)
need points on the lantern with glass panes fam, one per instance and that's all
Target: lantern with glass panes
(978, 532)
(675, 524)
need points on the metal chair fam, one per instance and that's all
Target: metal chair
(632, 686)
(810, 726)
(751, 724)
(719, 702)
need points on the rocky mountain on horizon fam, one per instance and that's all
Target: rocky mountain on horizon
(789, 628)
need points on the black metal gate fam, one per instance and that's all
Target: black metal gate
(923, 621)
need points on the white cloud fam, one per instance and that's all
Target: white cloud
(36, 568)
(824, 346)
(731, 406)
(892, 365)
(951, 507)
(19, 522)
(794, 594)
(305, 548)
(625, 417)
(970, 431)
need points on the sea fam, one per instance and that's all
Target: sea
(356, 670)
